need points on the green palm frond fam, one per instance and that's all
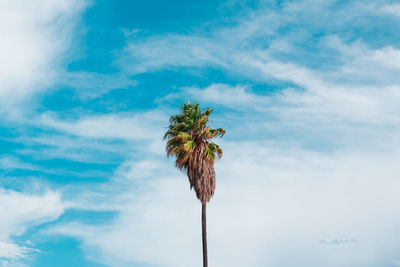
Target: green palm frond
(188, 130)
(189, 146)
(183, 137)
(216, 149)
(209, 154)
(189, 141)
(211, 133)
(173, 148)
(207, 112)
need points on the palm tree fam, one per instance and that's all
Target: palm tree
(189, 140)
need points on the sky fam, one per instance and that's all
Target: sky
(308, 92)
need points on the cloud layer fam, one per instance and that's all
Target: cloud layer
(36, 36)
(309, 98)
(21, 211)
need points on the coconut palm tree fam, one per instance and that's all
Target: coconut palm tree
(189, 140)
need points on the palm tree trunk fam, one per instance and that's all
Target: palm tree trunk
(204, 232)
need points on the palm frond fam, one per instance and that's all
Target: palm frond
(211, 133)
(209, 154)
(216, 149)
(188, 140)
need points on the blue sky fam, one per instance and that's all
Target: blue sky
(308, 92)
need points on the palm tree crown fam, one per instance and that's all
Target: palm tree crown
(189, 140)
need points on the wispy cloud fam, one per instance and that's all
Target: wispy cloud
(11, 162)
(24, 210)
(315, 160)
(35, 39)
(92, 85)
(287, 200)
(392, 9)
(279, 187)
(235, 97)
(124, 126)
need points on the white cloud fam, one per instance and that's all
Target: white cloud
(270, 203)
(235, 97)
(75, 148)
(91, 84)
(361, 88)
(364, 65)
(330, 100)
(250, 49)
(10, 162)
(123, 126)
(95, 138)
(392, 9)
(12, 251)
(170, 50)
(20, 211)
(329, 116)
(273, 199)
(282, 199)
(35, 39)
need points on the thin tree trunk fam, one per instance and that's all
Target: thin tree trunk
(204, 231)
